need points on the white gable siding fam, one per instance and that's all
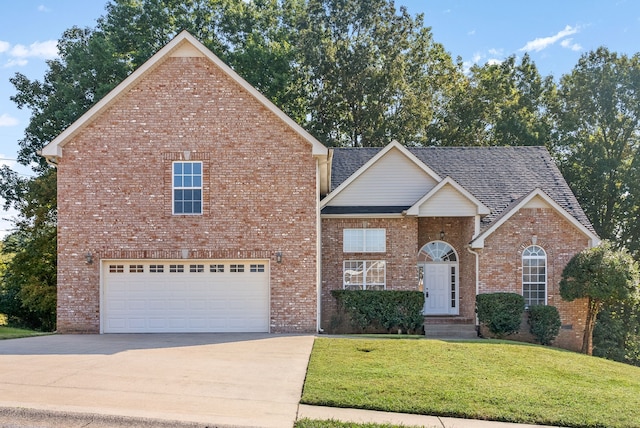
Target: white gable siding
(537, 202)
(447, 202)
(394, 180)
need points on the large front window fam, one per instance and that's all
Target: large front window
(187, 187)
(364, 275)
(534, 276)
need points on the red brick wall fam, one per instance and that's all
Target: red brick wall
(405, 237)
(114, 191)
(400, 257)
(501, 263)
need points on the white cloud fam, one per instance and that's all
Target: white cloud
(5, 160)
(45, 50)
(471, 33)
(544, 42)
(568, 43)
(496, 52)
(6, 120)
(4, 46)
(43, 8)
(15, 63)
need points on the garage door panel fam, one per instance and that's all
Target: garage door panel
(146, 297)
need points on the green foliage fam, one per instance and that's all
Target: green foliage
(318, 423)
(372, 73)
(503, 104)
(604, 276)
(597, 142)
(616, 335)
(500, 312)
(28, 286)
(389, 309)
(28, 283)
(544, 323)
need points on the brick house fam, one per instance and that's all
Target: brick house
(188, 202)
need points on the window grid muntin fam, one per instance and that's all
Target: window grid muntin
(364, 275)
(256, 268)
(136, 268)
(364, 240)
(187, 187)
(438, 251)
(236, 268)
(216, 268)
(116, 268)
(453, 286)
(156, 268)
(196, 268)
(176, 268)
(534, 276)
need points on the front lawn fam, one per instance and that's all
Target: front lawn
(494, 380)
(14, 333)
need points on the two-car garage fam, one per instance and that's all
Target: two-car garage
(178, 296)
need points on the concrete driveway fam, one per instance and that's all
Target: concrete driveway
(245, 380)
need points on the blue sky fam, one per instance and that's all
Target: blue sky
(555, 33)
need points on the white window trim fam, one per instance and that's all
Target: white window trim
(174, 188)
(365, 264)
(363, 248)
(546, 273)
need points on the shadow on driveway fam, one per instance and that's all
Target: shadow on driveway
(108, 344)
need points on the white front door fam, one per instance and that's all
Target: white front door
(440, 289)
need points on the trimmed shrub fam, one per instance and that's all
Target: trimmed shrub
(390, 310)
(500, 312)
(544, 323)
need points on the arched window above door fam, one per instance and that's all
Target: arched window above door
(437, 251)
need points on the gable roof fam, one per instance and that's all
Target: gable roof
(184, 44)
(478, 242)
(364, 163)
(480, 208)
(498, 177)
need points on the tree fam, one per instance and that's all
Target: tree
(602, 275)
(28, 284)
(616, 335)
(597, 142)
(503, 104)
(372, 74)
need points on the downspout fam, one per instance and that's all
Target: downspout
(477, 276)
(318, 251)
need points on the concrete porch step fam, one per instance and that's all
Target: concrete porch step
(450, 330)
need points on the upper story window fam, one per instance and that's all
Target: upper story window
(187, 187)
(534, 276)
(364, 240)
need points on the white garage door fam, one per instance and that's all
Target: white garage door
(177, 296)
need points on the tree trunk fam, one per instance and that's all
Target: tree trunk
(587, 339)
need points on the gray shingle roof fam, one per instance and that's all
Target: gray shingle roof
(497, 176)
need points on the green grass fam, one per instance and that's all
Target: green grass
(313, 423)
(15, 333)
(493, 380)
